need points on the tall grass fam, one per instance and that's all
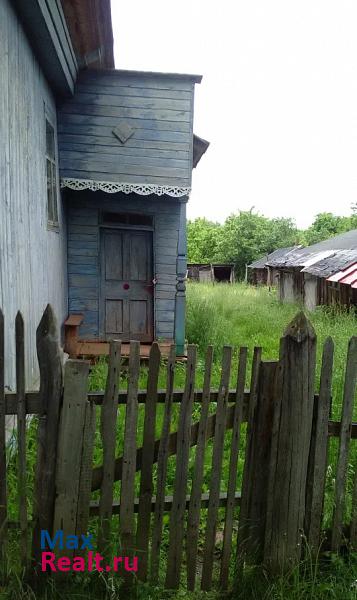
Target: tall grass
(243, 315)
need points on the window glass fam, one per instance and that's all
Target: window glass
(51, 175)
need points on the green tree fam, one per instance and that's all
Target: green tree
(202, 240)
(248, 235)
(327, 225)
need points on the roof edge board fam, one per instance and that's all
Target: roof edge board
(149, 74)
(51, 47)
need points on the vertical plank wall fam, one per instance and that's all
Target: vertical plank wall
(83, 254)
(32, 258)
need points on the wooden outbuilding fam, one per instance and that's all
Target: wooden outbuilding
(259, 273)
(322, 273)
(210, 272)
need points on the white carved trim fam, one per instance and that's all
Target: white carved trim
(143, 189)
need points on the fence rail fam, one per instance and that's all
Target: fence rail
(239, 454)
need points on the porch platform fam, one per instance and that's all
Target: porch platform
(97, 348)
(76, 347)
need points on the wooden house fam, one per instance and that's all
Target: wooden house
(95, 168)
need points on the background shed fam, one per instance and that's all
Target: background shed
(306, 274)
(211, 272)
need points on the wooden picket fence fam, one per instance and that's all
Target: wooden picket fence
(279, 429)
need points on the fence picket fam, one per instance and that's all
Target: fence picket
(21, 432)
(220, 428)
(51, 389)
(70, 447)
(345, 436)
(86, 471)
(193, 519)
(163, 455)
(177, 513)
(233, 467)
(319, 451)
(146, 482)
(3, 490)
(252, 514)
(127, 492)
(108, 425)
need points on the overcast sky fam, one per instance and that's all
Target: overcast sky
(278, 100)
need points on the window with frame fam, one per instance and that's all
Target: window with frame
(51, 174)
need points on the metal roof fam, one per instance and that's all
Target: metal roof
(347, 276)
(322, 259)
(278, 254)
(335, 261)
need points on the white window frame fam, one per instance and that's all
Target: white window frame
(51, 176)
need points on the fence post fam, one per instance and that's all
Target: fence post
(75, 442)
(256, 472)
(291, 435)
(51, 384)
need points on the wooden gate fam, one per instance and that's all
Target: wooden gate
(203, 480)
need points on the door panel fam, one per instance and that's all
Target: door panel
(126, 285)
(114, 256)
(114, 316)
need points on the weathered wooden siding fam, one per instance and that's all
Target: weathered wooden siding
(159, 107)
(32, 259)
(83, 254)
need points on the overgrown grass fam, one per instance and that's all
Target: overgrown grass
(243, 315)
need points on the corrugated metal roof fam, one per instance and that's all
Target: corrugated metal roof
(347, 276)
(260, 263)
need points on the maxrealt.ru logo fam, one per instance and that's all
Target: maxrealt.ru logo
(92, 561)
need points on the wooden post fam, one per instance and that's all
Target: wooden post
(71, 334)
(181, 268)
(293, 413)
(51, 384)
(70, 447)
(252, 515)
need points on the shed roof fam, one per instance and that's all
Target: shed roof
(347, 276)
(278, 254)
(324, 258)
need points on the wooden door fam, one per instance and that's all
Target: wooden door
(126, 311)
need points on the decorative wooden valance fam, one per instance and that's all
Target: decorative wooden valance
(112, 187)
